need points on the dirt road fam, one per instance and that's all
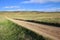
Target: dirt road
(45, 30)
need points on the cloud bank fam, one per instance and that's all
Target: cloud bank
(50, 10)
(42, 10)
(41, 1)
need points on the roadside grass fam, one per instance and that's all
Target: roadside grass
(9, 31)
(12, 31)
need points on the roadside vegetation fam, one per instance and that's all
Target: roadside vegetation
(12, 31)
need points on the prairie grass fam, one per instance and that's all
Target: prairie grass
(12, 31)
(37, 16)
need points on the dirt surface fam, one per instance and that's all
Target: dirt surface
(45, 30)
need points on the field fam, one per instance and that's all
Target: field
(44, 17)
(11, 31)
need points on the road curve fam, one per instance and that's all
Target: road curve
(44, 30)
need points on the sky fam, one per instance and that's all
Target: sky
(30, 5)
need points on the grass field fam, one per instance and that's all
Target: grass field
(11, 31)
(44, 17)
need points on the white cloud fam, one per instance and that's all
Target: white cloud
(54, 9)
(51, 10)
(20, 9)
(15, 10)
(41, 1)
(45, 10)
(11, 7)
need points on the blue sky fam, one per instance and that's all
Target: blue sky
(30, 5)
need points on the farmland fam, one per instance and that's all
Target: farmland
(11, 30)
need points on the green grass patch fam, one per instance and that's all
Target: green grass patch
(12, 31)
(9, 31)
